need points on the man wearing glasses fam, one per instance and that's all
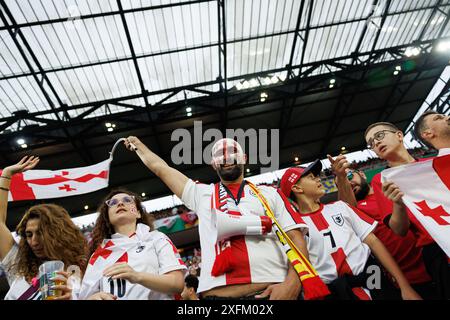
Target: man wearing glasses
(433, 130)
(386, 140)
(403, 249)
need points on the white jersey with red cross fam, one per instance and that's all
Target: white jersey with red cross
(157, 256)
(256, 259)
(335, 239)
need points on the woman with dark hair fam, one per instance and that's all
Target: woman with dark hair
(46, 233)
(130, 260)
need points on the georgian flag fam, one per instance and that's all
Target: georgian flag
(426, 186)
(45, 184)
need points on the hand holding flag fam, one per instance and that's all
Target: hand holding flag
(393, 192)
(27, 184)
(26, 163)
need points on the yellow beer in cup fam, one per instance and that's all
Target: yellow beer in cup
(48, 277)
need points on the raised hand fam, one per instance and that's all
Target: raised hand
(26, 163)
(132, 142)
(339, 165)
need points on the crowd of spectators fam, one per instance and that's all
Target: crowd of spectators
(193, 261)
(190, 219)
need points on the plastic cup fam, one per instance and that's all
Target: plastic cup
(48, 278)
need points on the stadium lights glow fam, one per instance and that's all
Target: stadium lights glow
(395, 72)
(86, 207)
(398, 68)
(20, 141)
(332, 81)
(296, 159)
(188, 109)
(331, 86)
(412, 51)
(143, 194)
(263, 96)
(443, 46)
(254, 83)
(110, 126)
(343, 148)
(248, 170)
(24, 146)
(258, 81)
(189, 114)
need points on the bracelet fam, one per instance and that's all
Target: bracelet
(4, 177)
(5, 189)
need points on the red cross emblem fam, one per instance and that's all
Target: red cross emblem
(67, 188)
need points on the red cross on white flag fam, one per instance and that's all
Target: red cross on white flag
(46, 184)
(426, 186)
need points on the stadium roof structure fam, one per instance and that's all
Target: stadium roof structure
(77, 75)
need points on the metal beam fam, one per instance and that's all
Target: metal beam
(222, 55)
(104, 14)
(279, 96)
(286, 112)
(432, 15)
(341, 104)
(296, 36)
(83, 154)
(94, 122)
(178, 50)
(363, 33)
(138, 71)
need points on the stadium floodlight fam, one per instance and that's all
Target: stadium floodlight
(332, 81)
(266, 81)
(254, 83)
(143, 194)
(296, 159)
(188, 109)
(189, 114)
(398, 68)
(412, 51)
(86, 207)
(108, 124)
(20, 141)
(24, 146)
(443, 46)
(110, 129)
(396, 72)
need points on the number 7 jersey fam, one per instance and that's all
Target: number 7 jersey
(335, 239)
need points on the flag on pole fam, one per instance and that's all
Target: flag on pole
(426, 186)
(45, 184)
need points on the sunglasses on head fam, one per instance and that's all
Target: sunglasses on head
(114, 201)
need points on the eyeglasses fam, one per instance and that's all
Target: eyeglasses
(377, 136)
(114, 201)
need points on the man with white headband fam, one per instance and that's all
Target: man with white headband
(246, 266)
